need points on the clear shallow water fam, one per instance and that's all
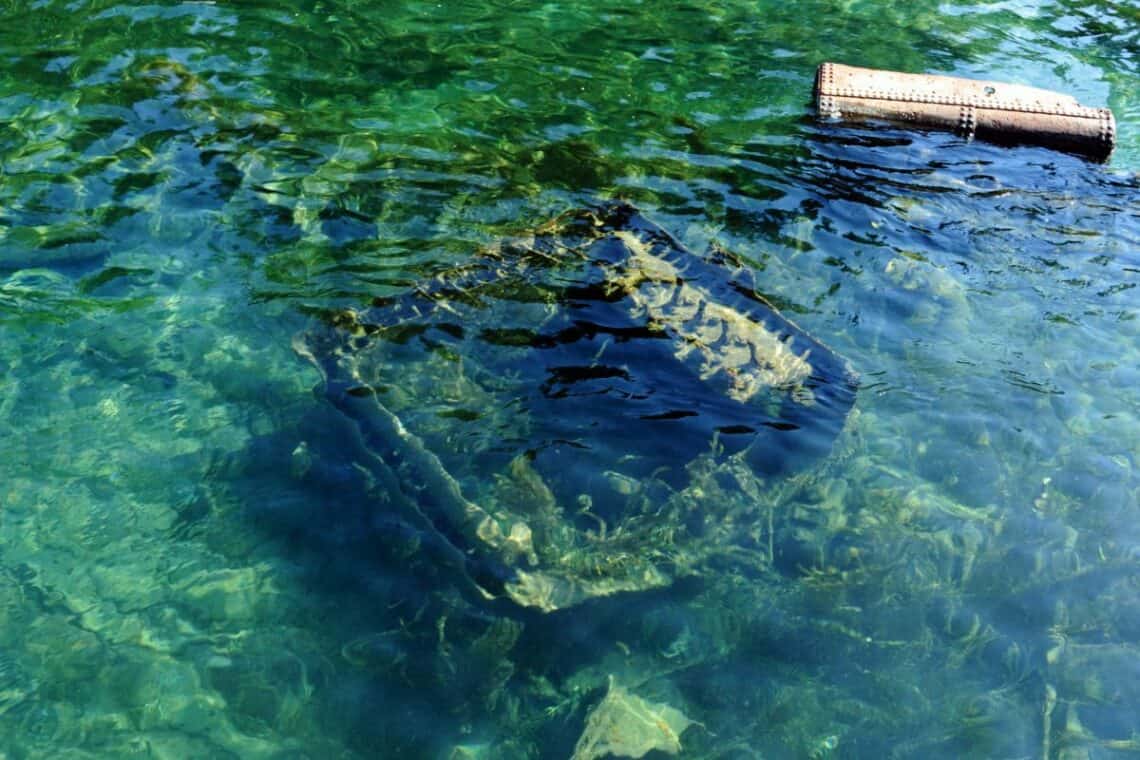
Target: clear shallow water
(183, 184)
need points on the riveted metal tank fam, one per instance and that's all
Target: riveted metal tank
(992, 111)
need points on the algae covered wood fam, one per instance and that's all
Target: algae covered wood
(544, 407)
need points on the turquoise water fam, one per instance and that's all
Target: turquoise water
(183, 185)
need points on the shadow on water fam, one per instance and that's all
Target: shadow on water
(423, 666)
(375, 580)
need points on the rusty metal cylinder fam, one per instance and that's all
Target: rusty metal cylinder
(992, 111)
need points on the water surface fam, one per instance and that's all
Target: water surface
(183, 185)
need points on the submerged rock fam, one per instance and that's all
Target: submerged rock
(545, 407)
(625, 725)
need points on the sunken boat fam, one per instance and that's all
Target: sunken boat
(563, 410)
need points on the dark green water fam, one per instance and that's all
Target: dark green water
(183, 185)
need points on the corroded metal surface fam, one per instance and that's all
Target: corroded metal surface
(993, 111)
(556, 408)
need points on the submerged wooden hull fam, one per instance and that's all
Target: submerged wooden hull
(582, 371)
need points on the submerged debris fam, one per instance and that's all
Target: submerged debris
(625, 725)
(547, 407)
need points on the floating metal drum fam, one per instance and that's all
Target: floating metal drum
(992, 111)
